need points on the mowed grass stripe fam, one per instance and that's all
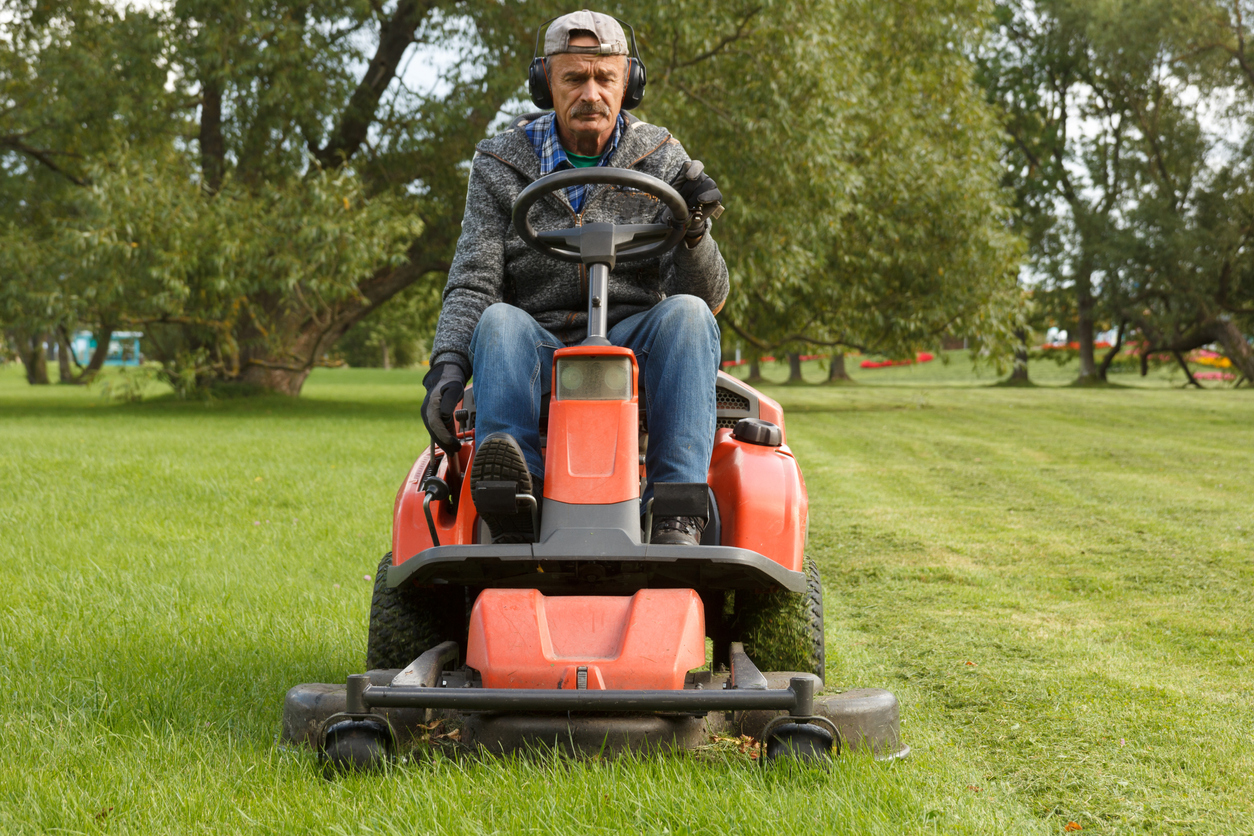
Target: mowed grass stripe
(159, 601)
(1095, 572)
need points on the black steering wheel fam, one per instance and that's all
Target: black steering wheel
(602, 243)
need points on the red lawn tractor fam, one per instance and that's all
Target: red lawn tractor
(590, 637)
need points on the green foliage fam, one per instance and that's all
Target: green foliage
(129, 384)
(245, 183)
(400, 331)
(144, 247)
(1134, 179)
(861, 181)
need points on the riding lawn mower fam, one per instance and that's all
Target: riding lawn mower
(589, 637)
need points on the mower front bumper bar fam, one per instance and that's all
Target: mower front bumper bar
(506, 566)
(797, 699)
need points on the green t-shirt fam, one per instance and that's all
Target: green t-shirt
(580, 161)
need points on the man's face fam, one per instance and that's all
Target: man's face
(587, 90)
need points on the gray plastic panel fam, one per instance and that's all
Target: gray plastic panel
(591, 530)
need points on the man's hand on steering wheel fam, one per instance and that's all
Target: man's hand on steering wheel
(446, 383)
(702, 195)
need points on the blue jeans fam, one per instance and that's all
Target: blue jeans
(677, 346)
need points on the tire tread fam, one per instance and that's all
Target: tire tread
(405, 621)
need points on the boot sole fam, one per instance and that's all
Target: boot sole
(499, 459)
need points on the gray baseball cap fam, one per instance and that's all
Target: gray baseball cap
(603, 27)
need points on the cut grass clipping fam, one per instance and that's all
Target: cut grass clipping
(1056, 582)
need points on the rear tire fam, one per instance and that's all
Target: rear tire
(783, 631)
(407, 620)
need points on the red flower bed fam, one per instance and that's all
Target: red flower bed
(923, 357)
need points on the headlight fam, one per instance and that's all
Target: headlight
(594, 379)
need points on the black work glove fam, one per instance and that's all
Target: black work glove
(702, 195)
(446, 382)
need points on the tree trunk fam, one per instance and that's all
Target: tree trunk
(64, 354)
(277, 378)
(304, 338)
(836, 372)
(1019, 377)
(1085, 326)
(1114, 351)
(755, 370)
(1237, 349)
(98, 356)
(37, 371)
(34, 358)
(212, 145)
(794, 368)
(1211, 330)
(383, 350)
(104, 336)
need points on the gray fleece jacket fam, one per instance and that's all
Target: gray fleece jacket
(492, 264)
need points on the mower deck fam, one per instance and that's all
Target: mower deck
(864, 719)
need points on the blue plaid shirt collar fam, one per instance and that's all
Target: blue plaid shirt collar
(543, 135)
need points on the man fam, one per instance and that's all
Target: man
(507, 308)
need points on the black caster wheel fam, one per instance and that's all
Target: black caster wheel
(800, 742)
(356, 746)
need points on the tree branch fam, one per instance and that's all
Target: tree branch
(1114, 350)
(44, 158)
(395, 36)
(791, 338)
(723, 43)
(723, 114)
(1180, 359)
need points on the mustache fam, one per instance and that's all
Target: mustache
(590, 109)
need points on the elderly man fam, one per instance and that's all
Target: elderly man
(507, 308)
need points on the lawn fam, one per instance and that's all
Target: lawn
(1056, 583)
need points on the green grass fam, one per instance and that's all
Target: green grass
(1057, 584)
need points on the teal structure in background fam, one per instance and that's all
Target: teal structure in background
(123, 348)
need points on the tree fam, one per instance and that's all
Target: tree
(862, 189)
(1042, 68)
(264, 118)
(862, 210)
(1144, 213)
(76, 82)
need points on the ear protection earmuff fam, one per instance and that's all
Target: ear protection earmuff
(538, 74)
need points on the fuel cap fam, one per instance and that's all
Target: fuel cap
(757, 431)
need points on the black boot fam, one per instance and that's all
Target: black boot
(677, 531)
(498, 458)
